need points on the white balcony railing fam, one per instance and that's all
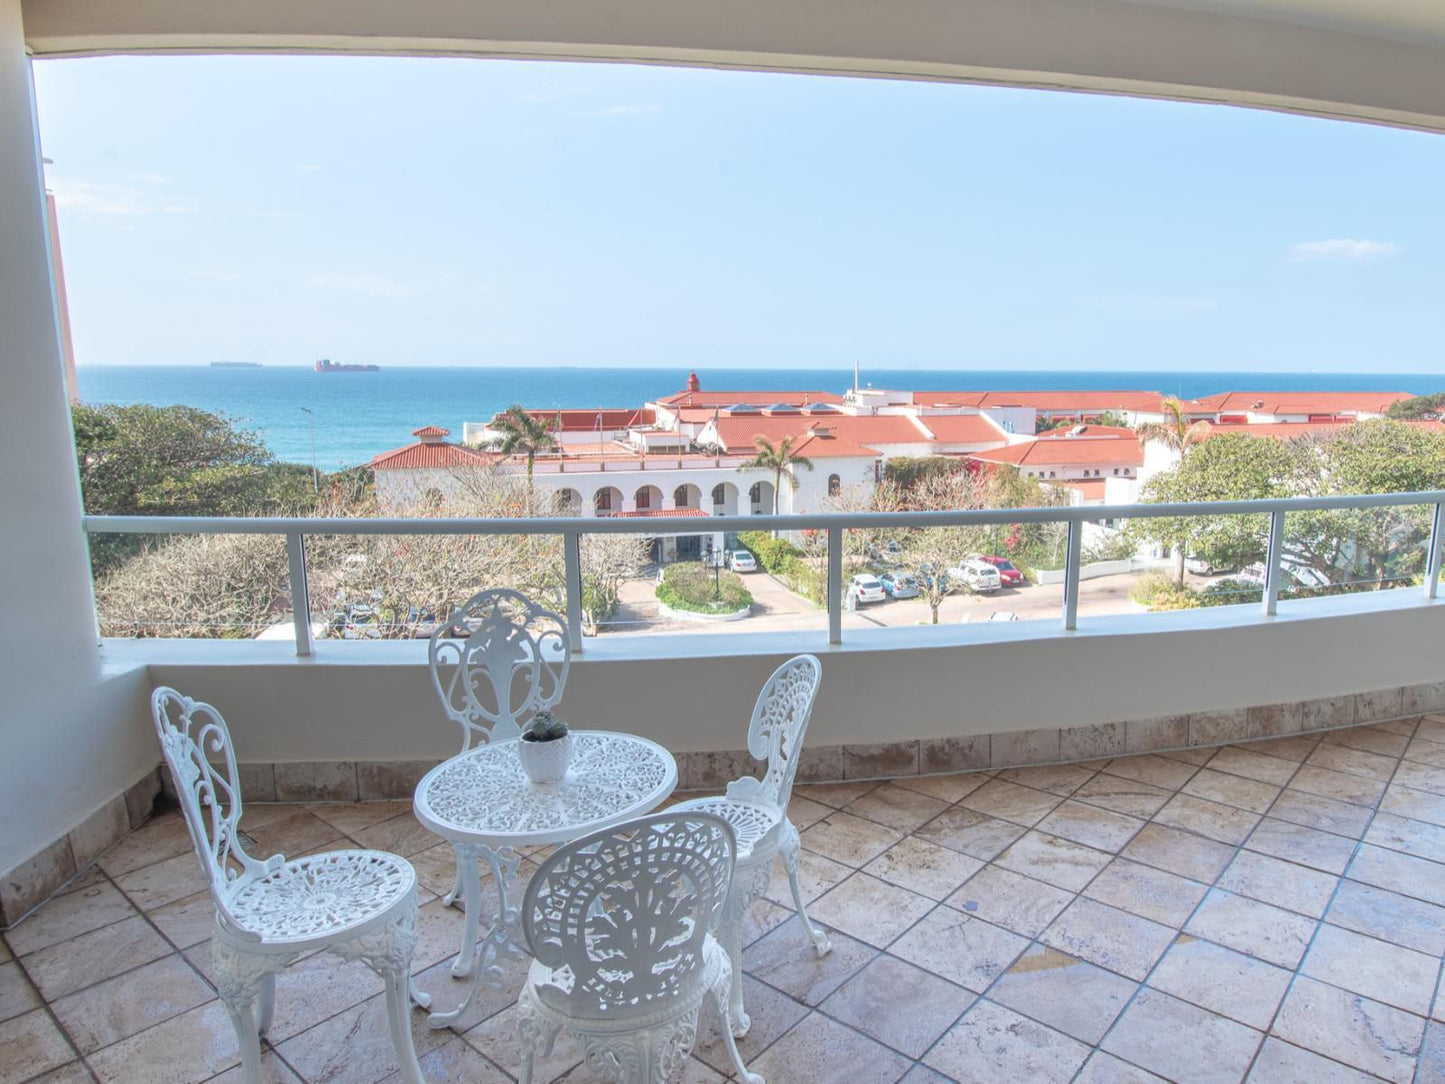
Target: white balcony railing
(570, 530)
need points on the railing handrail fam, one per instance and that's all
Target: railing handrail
(571, 528)
(565, 525)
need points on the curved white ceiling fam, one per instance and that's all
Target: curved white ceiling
(1375, 60)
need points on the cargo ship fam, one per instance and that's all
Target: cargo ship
(326, 365)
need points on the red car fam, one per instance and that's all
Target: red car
(1008, 576)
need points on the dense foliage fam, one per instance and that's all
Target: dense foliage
(694, 587)
(1422, 406)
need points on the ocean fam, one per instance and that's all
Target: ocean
(357, 415)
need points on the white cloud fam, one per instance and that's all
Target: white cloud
(107, 200)
(1342, 249)
(370, 285)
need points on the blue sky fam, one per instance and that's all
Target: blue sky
(437, 212)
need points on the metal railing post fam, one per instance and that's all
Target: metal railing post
(1272, 566)
(300, 594)
(1437, 554)
(835, 585)
(1072, 556)
(572, 558)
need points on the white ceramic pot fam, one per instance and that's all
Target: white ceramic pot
(545, 761)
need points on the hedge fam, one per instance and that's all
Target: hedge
(690, 586)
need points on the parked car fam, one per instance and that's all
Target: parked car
(742, 561)
(1299, 575)
(899, 585)
(1008, 575)
(979, 576)
(886, 552)
(868, 589)
(1200, 566)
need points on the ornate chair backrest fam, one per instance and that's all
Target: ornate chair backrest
(191, 734)
(498, 660)
(780, 720)
(626, 911)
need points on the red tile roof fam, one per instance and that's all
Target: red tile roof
(586, 421)
(1303, 402)
(430, 431)
(759, 399)
(1092, 488)
(1078, 451)
(421, 456)
(963, 429)
(1088, 401)
(1090, 431)
(862, 434)
(658, 513)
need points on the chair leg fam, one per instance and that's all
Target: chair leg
(398, 1014)
(730, 937)
(723, 997)
(268, 1002)
(240, 979)
(791, 849)
(471, 883)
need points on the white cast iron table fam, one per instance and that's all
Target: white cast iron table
(483, 804)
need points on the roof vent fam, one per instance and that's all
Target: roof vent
(743, 408)
(822, 408)
(820, 431)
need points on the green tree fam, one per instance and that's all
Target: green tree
(1176, 432)
(781, 460)
(520, 434)
(1232, 467)
(907, 471)
(1421, 406)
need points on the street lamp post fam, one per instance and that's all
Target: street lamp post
(315, 476)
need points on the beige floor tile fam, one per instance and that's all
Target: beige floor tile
(1058, 862)
(850, 840)
(17, 995)
(1342, 786)
(93, 957)
(1295, 843)
(1419, 838)
(1379, 970)
(188, 921)
(1178, 852)
(816, 875)
(1281, 883)
(1109, 937)
(354, 1047)
(436, 868)
(785, 959)
(70, 915)
(836, 795)
(946, 788)
(497, 1039)
(804, 812)
(1402, 873)
(1182, 1042)
(74, 1073)
(772, 1012)
(31, 1044)
(1426, 752)
(922, 1074)
(260, 815)
(923, 867)
(1295, 749)
(1280, 1062)
(1339, 758)
(1104, 1068)
(118, 1008)
(897, 807)
(1317, 811)
(1059, 779)
(869, 909)
(293, 835)
(1389, 916)
(1257, 929)
(457, 1061)
(1252, 765)
(165, 882)
(1210, 819)
(1371, 739)
(1093, 827)
(1064, 992)
(995, 1045)
(1010, 900)
(1121, 795)
(970, 832)
(318, 987)
(1232, 790)
(402, 835)
(833, 1054)
(961, 948)
(763, 917)
(1011, 802)
(1161, 897)
(348, 818)
(1197, 757)
(1221, 980)
(1418, 805)
(1352, 1029)
(163, 836)
(185, 1049)
(1425, 777)
(1156, 770)
(898, 1004)
(1432, 1053)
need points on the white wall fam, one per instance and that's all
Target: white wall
(69, 740)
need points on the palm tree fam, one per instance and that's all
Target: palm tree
(779, 459)
(519, 433)
(1177, 433)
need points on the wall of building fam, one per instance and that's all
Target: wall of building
(71, 738)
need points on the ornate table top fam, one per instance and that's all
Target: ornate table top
(483, 795)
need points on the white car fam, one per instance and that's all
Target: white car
(981, 577)
(742, 561)
(868, 589)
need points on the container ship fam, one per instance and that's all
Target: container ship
(326, 365)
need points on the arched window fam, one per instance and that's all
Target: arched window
(604, 500)
(719, 494)
(644, 498)
(835, 485)
(679, 497)
(756, 493)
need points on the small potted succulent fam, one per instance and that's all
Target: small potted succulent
(545, 749)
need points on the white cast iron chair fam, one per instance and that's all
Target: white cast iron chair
(360, 905)
(757, 809)
(497, 661)
(620, 925)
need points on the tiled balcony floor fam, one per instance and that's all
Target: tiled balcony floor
(1271, 912)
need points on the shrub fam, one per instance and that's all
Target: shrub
(1149, 585)
(776, 555)
(1230, 593)
(1159, 592)
(690, 586)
